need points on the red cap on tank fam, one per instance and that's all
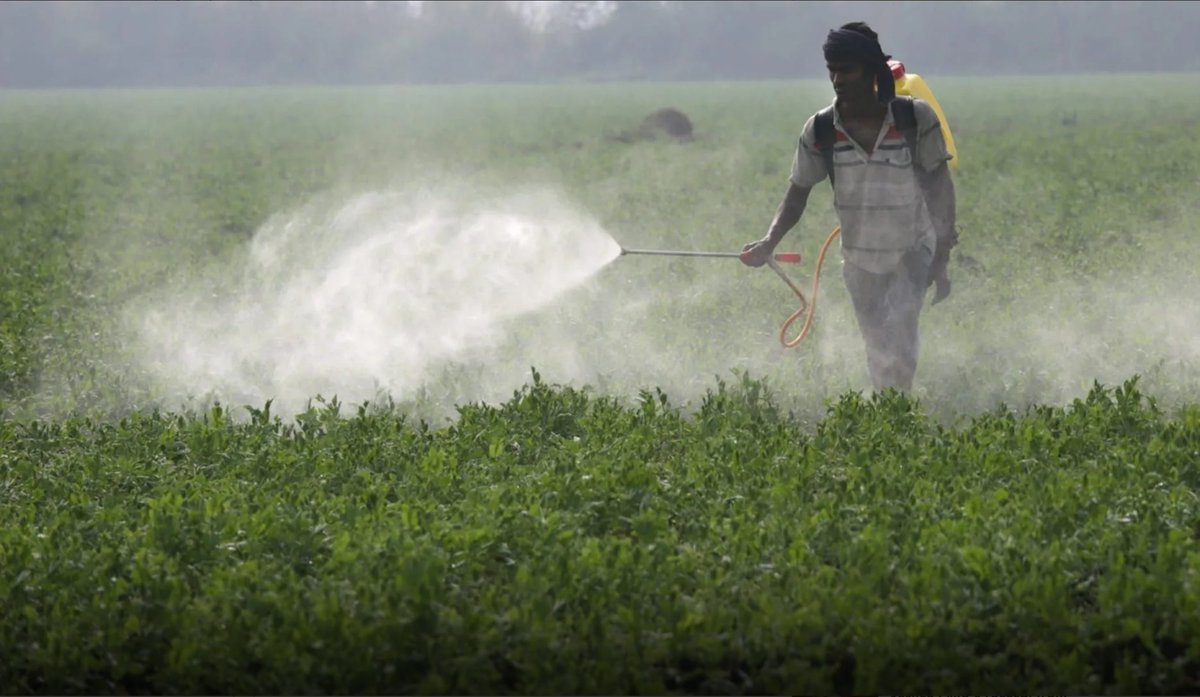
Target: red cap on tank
(897, 69)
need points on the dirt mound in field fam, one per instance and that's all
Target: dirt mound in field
(664, 123)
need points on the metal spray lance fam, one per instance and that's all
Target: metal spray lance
(773, 262)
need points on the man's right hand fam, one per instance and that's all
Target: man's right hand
(757, 253)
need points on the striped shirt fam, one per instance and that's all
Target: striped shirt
(878, 199)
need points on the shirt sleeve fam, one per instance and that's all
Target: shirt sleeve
(808, 166)
(931, 144)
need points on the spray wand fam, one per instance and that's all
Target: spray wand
(773, 262)
(786, 257)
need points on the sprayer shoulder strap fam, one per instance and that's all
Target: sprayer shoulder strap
(903, 115)
(825, 137)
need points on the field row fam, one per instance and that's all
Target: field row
(560, 542)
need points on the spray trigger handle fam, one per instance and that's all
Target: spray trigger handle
(783, 257)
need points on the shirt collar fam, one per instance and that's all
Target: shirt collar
(837, 117)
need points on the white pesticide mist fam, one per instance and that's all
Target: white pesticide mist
(370, 295)
(438, 298)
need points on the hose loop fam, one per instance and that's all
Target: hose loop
(805, 306)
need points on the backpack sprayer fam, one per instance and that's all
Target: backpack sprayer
(907, 84)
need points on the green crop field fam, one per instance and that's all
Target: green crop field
(334, 390)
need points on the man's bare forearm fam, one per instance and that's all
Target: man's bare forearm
(789, 212)
(941, 199)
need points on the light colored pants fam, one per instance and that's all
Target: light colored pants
(888, 307)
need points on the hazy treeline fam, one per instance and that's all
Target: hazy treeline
(93, 44)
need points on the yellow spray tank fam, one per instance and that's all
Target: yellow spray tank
(911, 85)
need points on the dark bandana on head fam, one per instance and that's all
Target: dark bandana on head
(848, 46)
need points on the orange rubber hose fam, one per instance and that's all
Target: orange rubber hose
(804, 303)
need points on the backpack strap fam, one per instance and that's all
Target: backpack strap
(905, 117)
(825, 137)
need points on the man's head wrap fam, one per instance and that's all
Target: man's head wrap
(849, 46)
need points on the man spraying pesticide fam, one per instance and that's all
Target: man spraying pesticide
(886, 158)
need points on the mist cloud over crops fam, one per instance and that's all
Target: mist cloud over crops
(373, 294)
(404, 293)
(1075, 266)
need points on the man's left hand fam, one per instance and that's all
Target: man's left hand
(938, 274)
(943, 288)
